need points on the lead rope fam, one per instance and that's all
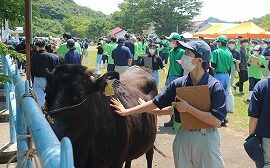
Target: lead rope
(29, 154)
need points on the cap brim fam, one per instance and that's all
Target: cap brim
(185, 45)
(168, 38)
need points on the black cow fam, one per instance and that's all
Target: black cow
(80, 110)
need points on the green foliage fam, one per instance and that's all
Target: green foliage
(166, 15)
(47, 27)
(134, 15)
(71, 24)
(13, 10)
(98, 28)
(4, 50)
(263, 22)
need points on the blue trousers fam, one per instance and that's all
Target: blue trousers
(224, 78)
(39, 89)
(155, 75)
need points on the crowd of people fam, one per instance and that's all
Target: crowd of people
(191, 63)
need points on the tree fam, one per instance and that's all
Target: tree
(166, 15)
(170, 14)
(133, 15)
(47, 27)
(263, 22)
(79, 30)
(98, 28)
(12, 10)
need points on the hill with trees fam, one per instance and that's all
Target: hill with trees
(263, 22)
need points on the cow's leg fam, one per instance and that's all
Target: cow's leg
(128, 164)
(149, 157)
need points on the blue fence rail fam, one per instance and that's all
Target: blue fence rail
(26, 118)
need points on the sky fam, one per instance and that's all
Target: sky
(227, 10)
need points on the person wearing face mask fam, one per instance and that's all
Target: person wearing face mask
(191, 148)
(156, 62)
(256, 64)
(175, 70)
(266, 54)
(243, 74)
(236, 60)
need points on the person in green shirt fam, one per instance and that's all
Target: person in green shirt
(62, 50)
(222, 62)
(140, 49)
(136, 51)
(107, 49)
(238, 43)
(175, 70)
(144, 45)
(165, 50)
(113, 45)
(256, 63)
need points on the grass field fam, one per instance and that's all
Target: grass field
(237, 120)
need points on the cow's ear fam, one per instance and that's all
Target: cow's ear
(109, 76)
(49, 75)
(112, 75)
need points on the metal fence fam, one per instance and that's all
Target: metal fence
(27, 120)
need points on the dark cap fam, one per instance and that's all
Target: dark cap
(70, 42)
(200, 47)
(266, 41)
(121, 40)
(232, 41)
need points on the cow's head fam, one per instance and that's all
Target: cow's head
(70, 84)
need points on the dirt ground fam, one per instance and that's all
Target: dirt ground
(232, 149)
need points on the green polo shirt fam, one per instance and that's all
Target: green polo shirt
(145, 46)
(106, 48)
(255, 71)
(62, 50)
(175, 69)
(223, 60)
(136, 51)
(112, 47)
(140, 49)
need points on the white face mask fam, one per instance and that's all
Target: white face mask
(152, 51)
(264, 45)
(186, 63)
(173, 45)
(231, 46)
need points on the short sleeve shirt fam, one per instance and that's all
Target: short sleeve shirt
(256, 71)
(223, 60)
(217, 94)
(62, 50)
(73, 57)
(121, 54)
(175, 69)
(259, 107)
(112, 47)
